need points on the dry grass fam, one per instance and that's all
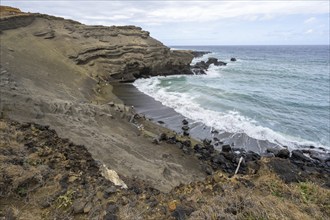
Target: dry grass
(271, 198)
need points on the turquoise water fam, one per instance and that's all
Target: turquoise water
(276, 93)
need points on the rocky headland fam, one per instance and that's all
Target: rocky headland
(71, 149)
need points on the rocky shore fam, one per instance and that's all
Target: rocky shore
(71, 149)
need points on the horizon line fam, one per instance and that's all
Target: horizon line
(249, 45)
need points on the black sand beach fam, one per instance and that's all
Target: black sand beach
(169, 118)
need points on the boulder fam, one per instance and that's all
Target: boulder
(283, 153)
(233, 59)
(298, 155)
(226, 148)
(215, 62)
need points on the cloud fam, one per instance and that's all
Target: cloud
(310, 20)
(309, 31)
(173, 11)
(198, 22)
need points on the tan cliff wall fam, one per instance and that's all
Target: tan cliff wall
(121, 53)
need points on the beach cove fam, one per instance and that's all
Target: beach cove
(67, 125)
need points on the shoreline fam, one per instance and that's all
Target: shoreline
(167, 117)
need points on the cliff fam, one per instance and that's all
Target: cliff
(109, 53)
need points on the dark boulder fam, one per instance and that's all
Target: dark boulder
(283, 153)
(229, 156)
(198, 148)
(219, 159)
(202, 66)
(252, 156)
(187, 143)
(226, 148)
(287, 171)
(171, 140)
(207, 142)
(297, 155)
(215, 62)
(233, 59)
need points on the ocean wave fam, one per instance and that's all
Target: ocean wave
(229, 121)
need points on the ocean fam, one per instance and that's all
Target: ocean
(274, 94)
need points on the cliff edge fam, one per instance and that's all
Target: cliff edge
(122, 53)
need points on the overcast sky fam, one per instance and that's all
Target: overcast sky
(202, 22)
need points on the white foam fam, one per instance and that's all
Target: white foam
(205, 57)
(214, 71)
(230, 121)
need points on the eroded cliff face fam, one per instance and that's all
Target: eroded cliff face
(121, 53)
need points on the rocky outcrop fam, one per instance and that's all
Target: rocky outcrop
(202, 66)
(199, 53)
(127, 53)
(121, 53)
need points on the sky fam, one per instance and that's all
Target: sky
(214, 22)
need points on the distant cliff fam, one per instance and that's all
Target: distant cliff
(121, 53)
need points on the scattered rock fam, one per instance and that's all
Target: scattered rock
(233, 59)
(78, 206)
(184, 122)
(297, 155)
(207, 142)
(283, 153)
(226, 148)
(185, 128)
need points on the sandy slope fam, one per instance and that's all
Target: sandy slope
(39, 83)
